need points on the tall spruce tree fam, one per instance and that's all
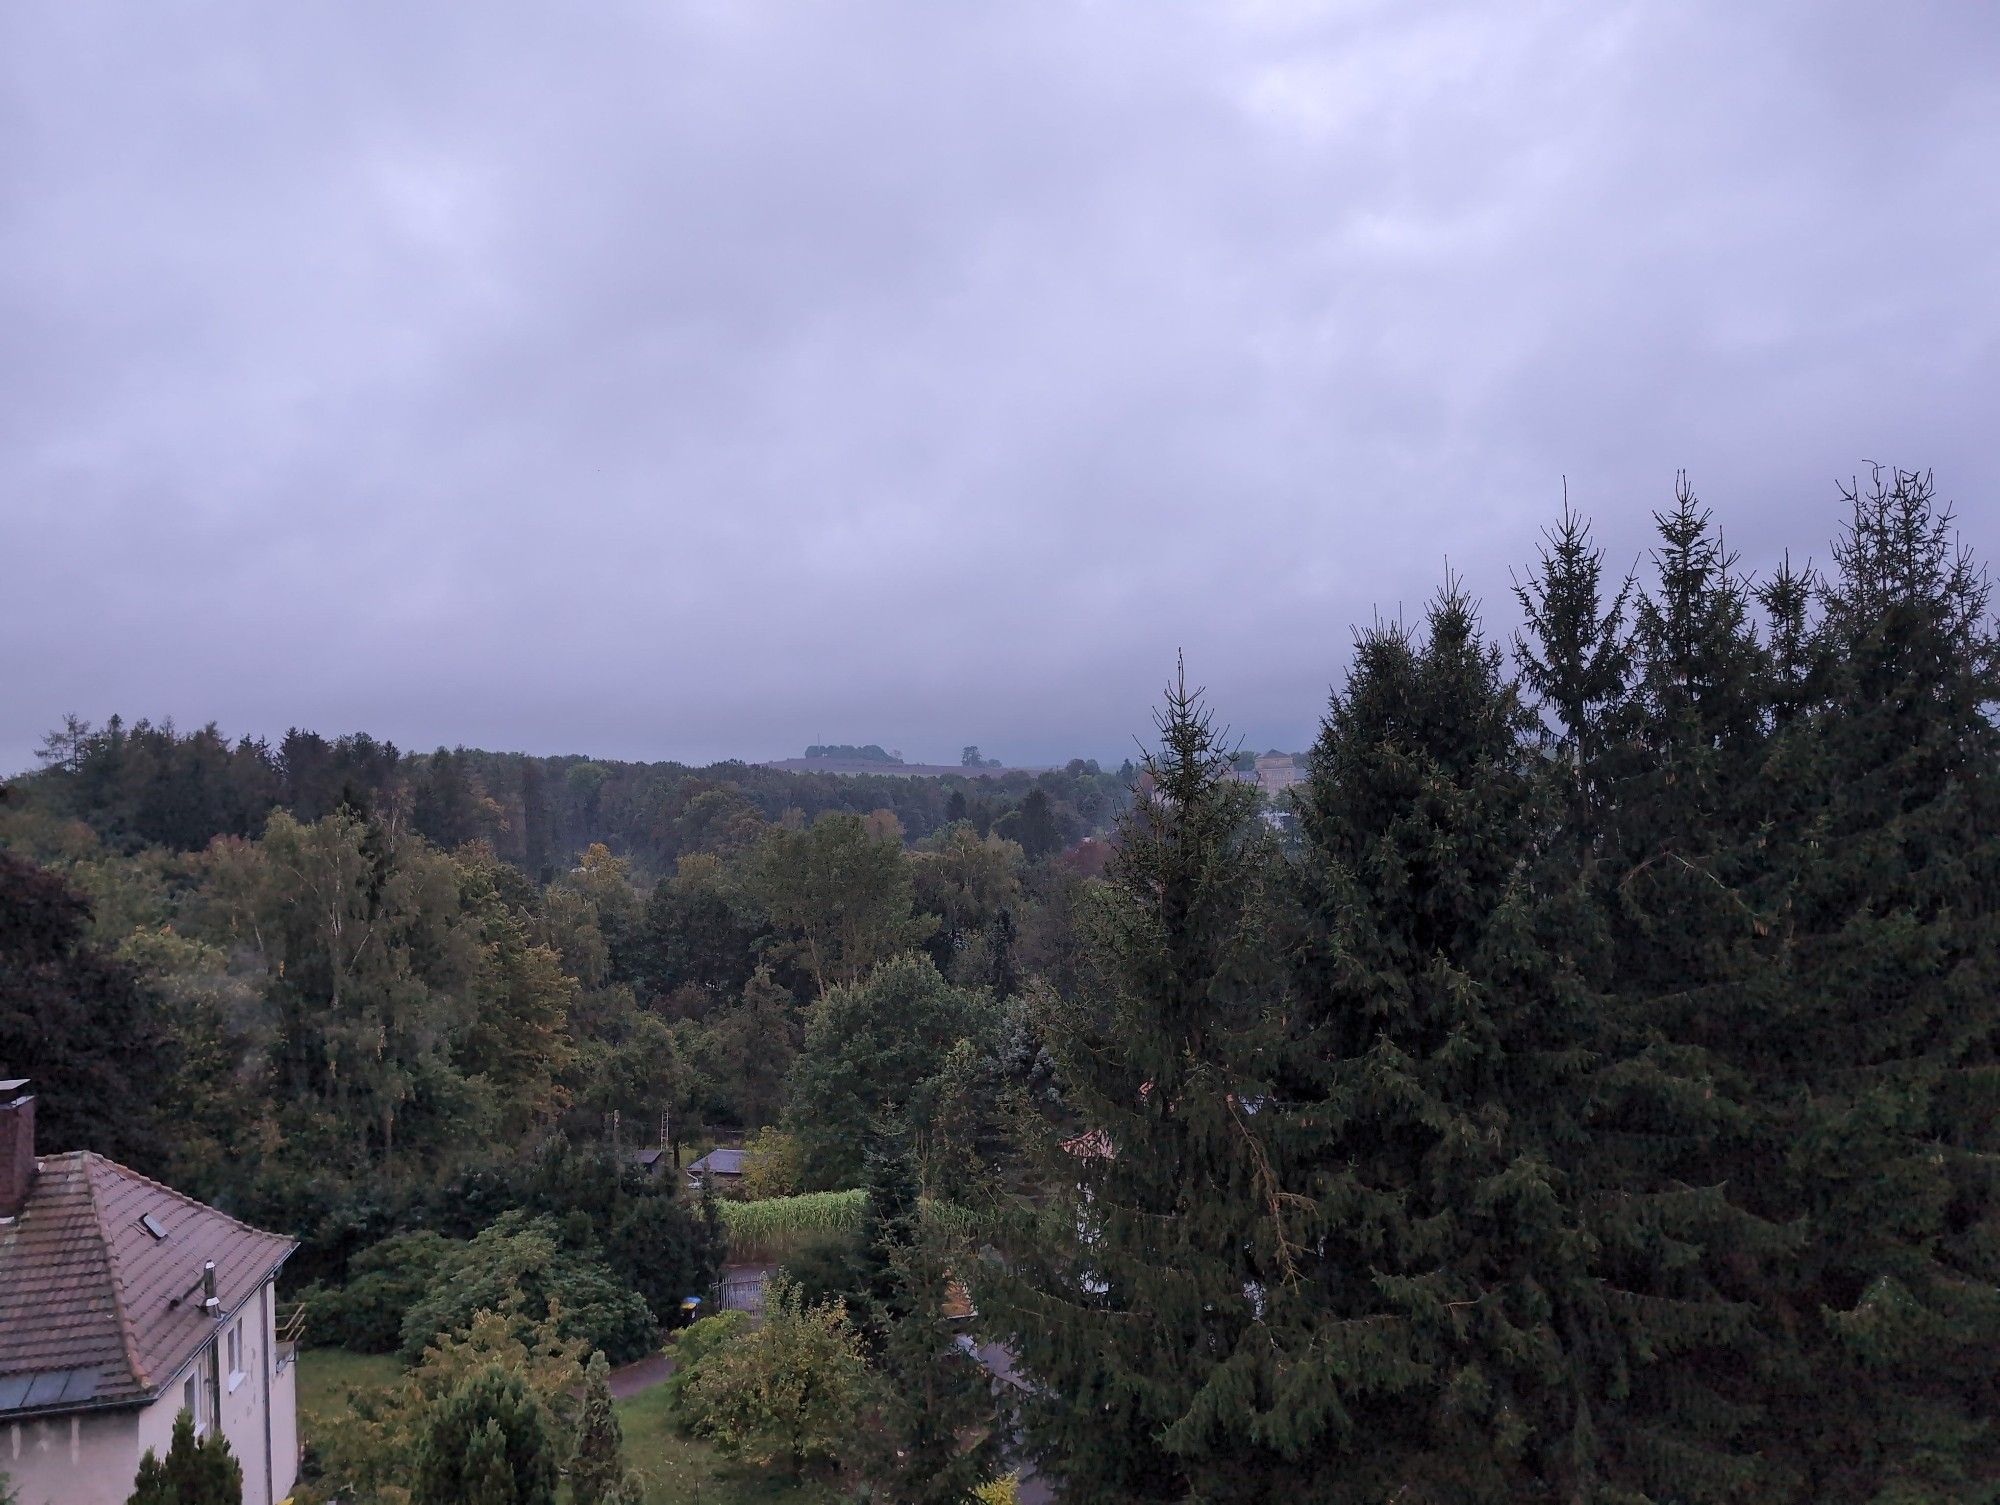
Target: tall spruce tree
(939, 1428)
(1574, 648)
(1664, 1410)
(1451, 1033)
(1140, 1303)
(889, 1229)
(1882, 1083)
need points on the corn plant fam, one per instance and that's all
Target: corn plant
(770, 1230)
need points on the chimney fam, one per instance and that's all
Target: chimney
(17, 1146)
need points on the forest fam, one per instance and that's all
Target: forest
(1582, 1088)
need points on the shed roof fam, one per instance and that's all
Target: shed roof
(98, 1308)
(727, 1161)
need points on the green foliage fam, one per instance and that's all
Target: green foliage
(662, 1251)
(194, 1472)
(366, 1314)
(890, 1230)
(842, 895)
(1130, 1299)
(80, 1024)
(1005, 1490)
(873, 1054)
(789, 1393)
(936, 1431)
(698, 1340)
(1879, 871)
(524, 1263)
(828, 1270)
(143, 784)
(597, 1473)
(849, 752)
(1457, 1039)
(488, 1442)
(744, 1050)
(369, 1450)
(699, 932)
(774, 1227)
(1034, 826)
(773, 1166)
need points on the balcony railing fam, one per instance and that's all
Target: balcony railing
(291, 1330)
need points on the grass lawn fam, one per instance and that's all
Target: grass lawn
(327, 1374)
(678, 1470)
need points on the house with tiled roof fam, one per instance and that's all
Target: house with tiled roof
(122, 1304)
(726, 1163)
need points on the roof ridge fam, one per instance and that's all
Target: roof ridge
(127, 1340)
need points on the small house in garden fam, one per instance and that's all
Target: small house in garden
(725, 1164)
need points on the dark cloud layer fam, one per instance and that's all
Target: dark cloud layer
(704, 379)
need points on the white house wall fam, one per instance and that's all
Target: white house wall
(91, 1457)
(86, 1458)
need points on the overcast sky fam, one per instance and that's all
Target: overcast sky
(701, 380)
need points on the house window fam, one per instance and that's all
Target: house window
(198, 1393)
(235, 1356)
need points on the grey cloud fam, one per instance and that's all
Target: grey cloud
(704, 379)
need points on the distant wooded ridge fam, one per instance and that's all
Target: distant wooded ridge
(142, 783)
(846, 757)
(847, 752)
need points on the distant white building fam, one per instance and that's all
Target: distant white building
(1278, 772)
(122, 1304)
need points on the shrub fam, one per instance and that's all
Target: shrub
(696, 1342)
(192, 1473)
(522, 1263)
(663, 1252)
(369, 1450)
(597, 1465)
(790, 1393)
(384, 1281)
(488, 1440)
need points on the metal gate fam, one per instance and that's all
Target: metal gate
(740, 1293)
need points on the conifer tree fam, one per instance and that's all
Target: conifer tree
(1635, 724)
(484, 1476)
(889, 1229)
(597, 1466)
(194, 1472)
(939, 1428)
(488, 1443)
(1883, 1087)
(1461, 1314)
(1574, 648)
(1138, 1301)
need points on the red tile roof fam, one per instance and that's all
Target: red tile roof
(1092, 1144)
(85, 1288)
